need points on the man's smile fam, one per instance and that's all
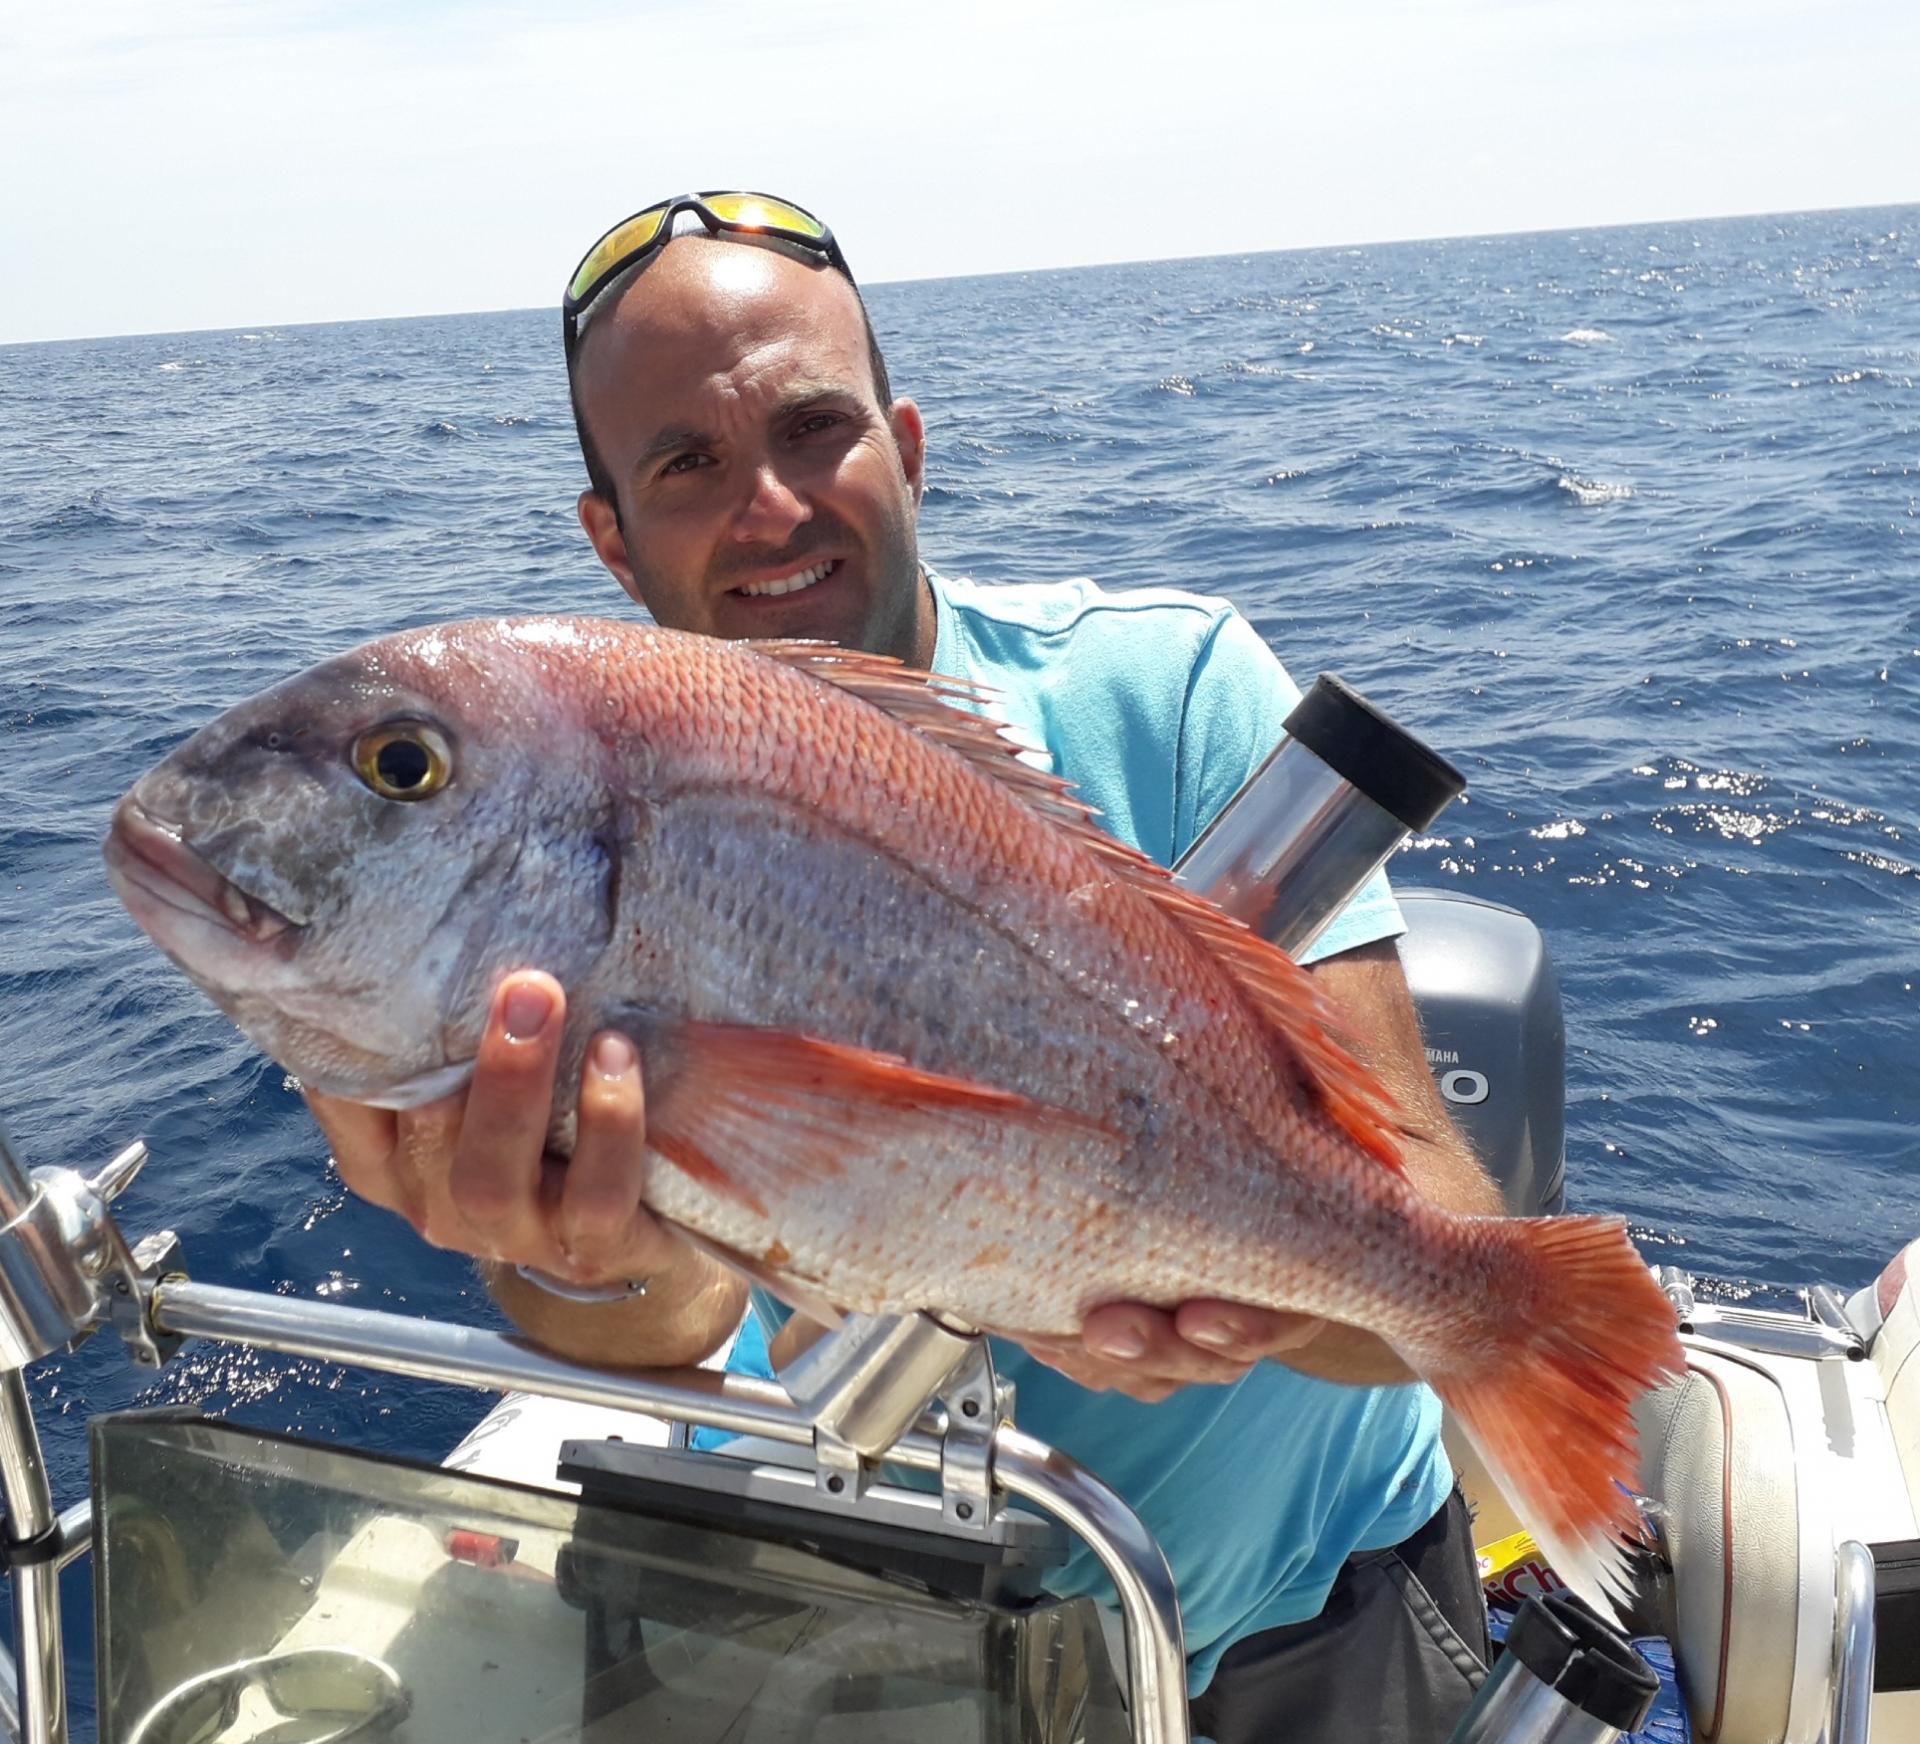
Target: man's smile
(794, 583)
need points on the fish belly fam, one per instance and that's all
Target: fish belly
(766, 916)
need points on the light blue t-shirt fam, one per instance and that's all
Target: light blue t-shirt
(1157, 705)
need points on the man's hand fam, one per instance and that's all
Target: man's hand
(1148, 1353)
(471, 1172)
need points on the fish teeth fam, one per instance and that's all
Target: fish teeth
(256, 920)
(790, 583)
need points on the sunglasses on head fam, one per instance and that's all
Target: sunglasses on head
(729, 214)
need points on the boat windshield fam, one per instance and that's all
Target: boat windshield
(255, 1587)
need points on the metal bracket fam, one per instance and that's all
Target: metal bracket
(977, 1403)
(839, 1471)
(865, 1384)
(136, 1272)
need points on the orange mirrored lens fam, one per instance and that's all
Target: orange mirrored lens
(621, 240)
(759, 212)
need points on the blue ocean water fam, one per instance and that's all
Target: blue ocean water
(1626, 521)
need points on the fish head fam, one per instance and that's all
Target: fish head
(348, 862)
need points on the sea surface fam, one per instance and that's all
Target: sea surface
(1626, 521)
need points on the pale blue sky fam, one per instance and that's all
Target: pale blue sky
(171, 164)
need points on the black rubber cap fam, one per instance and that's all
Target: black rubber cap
(1567, 1647)
(1373, 751)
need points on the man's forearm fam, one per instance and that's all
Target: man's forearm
(689, 1309)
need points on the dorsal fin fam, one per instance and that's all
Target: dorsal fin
(928, 702)
(1292, 1008)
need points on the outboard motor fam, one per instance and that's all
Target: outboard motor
(1489, 1006)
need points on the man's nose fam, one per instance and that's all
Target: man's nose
(773, 506)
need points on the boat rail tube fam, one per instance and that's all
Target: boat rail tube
(172, 1308)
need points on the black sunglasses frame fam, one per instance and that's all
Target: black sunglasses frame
(572, 307)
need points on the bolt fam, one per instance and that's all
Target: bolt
(963, 1510)
(969, 1407)
(836, 1484)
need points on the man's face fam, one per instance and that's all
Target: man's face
(764, 491)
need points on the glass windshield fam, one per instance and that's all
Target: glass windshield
(256, 1588)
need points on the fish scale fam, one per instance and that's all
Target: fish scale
(914, 1033)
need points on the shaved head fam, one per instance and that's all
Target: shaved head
(751, 475)
(598, 475)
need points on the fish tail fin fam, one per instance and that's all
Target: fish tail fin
(1549, 1404)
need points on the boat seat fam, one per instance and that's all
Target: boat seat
(1896, 1353)
(1751, 1545)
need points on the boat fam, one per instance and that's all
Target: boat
(867, 1557)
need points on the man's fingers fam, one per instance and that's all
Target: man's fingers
(1243, 1334)
(364, 1144)
(600, 1197)
(1145, 1341)
(1129, 1348)
(1098, 1375)
(495, 1181)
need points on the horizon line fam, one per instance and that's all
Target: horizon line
(1007, 272)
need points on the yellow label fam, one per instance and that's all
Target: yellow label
(1513, 1568)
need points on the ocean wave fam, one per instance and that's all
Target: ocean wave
(1588, 336)
(1881, 863)
(1591, 493)
(89, 514)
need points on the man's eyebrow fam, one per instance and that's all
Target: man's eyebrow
(669, 441)
(796, 399)
(804, 394)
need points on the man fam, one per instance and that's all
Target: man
(752, 475)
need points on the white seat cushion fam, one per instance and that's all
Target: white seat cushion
(1753, 1597)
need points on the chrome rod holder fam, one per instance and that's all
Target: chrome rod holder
(1319, 817)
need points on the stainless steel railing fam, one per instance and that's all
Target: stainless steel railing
(66, 1270)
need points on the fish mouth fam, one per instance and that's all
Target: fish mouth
(152, 869)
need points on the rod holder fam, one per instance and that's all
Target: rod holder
(1319, 817)
(865, 1384)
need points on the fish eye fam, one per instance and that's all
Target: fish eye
(403, 760)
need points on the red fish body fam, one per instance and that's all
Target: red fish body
(915, 1033)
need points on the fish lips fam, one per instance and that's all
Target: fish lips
(185, 903)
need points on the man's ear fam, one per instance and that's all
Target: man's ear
(910, 436)
(602, 524)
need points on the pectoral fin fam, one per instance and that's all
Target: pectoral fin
(752, 1113)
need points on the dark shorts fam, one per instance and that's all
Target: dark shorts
(1395, 1655)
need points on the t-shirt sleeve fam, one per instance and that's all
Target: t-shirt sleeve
(1238, 699)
